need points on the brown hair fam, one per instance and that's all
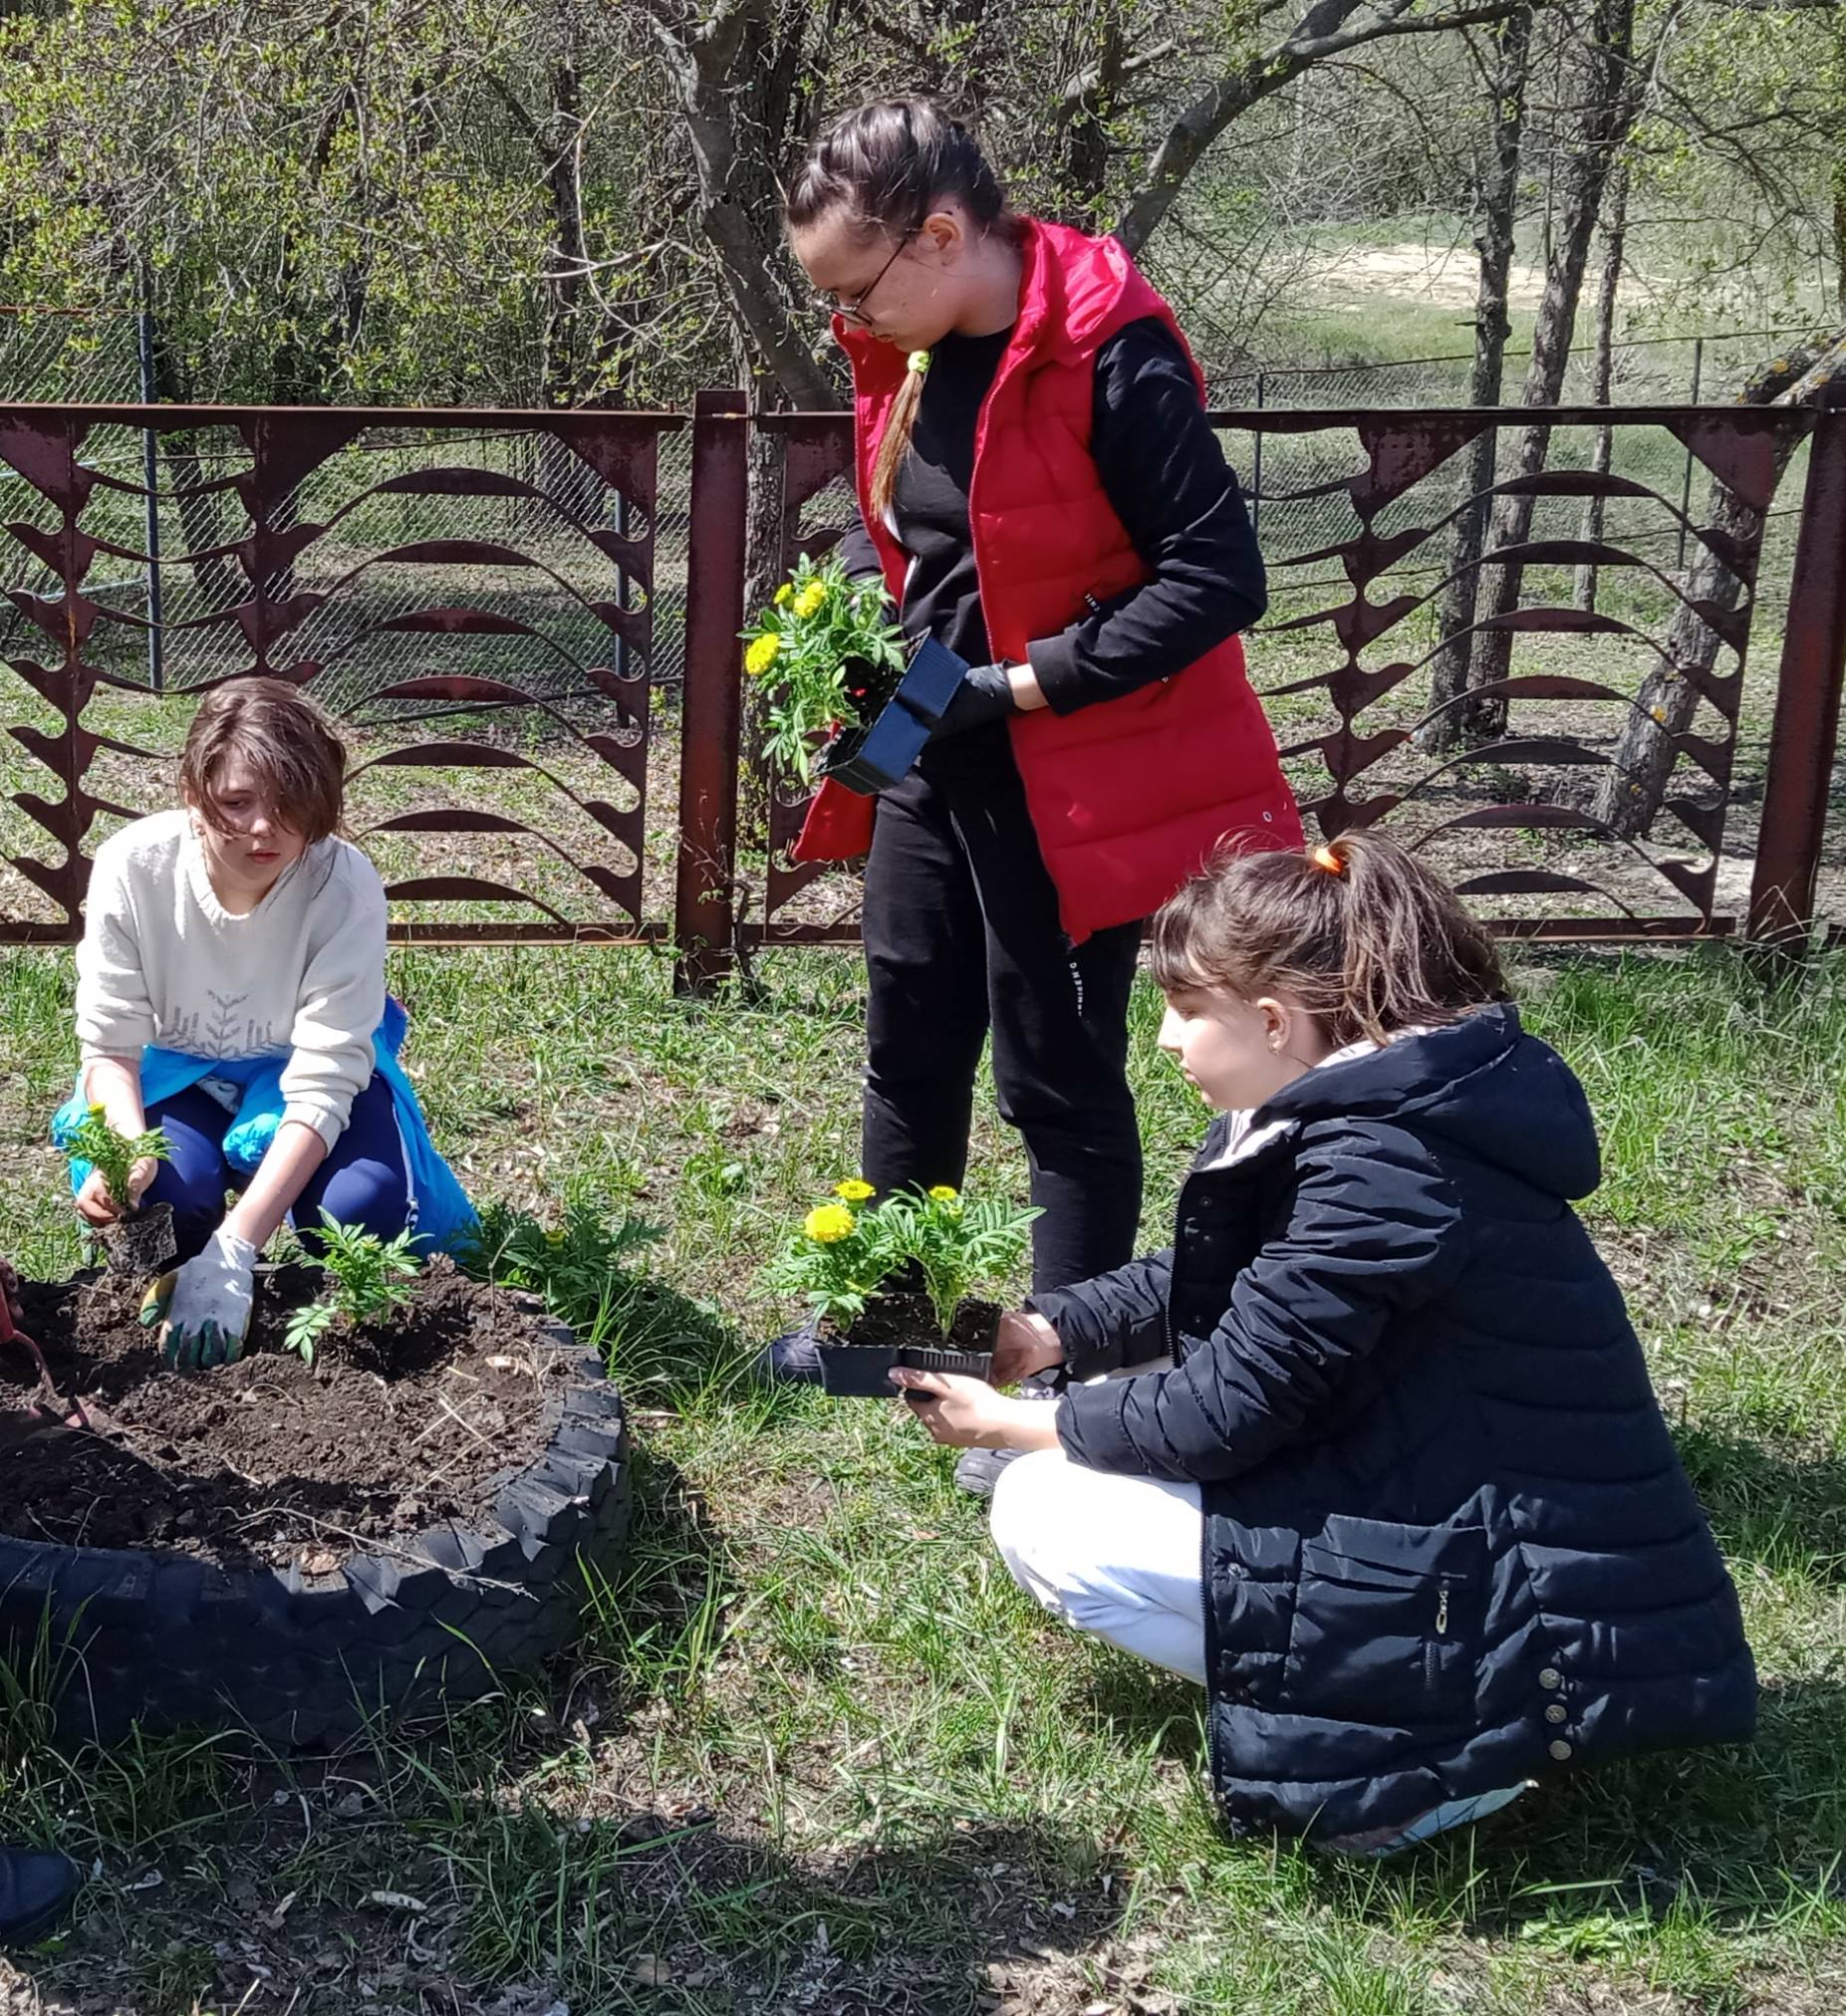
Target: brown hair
(889, 165)
(1368, 941)
(284, 738)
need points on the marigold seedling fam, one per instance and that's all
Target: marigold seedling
(819, 650)
(111, 1153)
(576, 1266)
(842, 1253)
(958, 1244)
(367, 1281)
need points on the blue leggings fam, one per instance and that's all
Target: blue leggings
(362, 1182)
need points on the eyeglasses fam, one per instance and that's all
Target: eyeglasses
(857, 312)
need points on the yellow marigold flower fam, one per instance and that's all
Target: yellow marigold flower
(783, 592)
(761, 654)
(95, 1109)
(811, 598)
(826, 1224)
(944, 1193)
(854, 1189)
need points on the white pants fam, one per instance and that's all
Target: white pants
(1122, 1558)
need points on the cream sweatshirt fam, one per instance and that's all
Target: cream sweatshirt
(301, 975)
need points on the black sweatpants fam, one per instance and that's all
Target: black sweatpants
(961, 936)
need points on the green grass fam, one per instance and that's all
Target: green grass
(815, 1752)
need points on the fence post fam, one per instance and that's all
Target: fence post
(1256, 463)
(621, 578)
(1686, 485)
(711, 704)
(150, 477)
(1807, 702)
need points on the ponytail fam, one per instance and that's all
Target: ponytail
(894, 443)
(1368, 941)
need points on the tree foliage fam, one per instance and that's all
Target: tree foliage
(520, 200)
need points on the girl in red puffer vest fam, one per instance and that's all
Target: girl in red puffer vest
(1040, 490)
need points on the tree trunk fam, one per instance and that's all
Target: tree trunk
(1629, 795)
(704, 58)
(562, 364)
(557, 139)
(1615, 231)
(1839, 229)
(1609, 111)
(1838, 178)
(1499, 200)
(1086, 113)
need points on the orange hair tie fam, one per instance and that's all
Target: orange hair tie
(1324, 857)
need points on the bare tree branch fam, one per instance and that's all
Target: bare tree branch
(1328, 28)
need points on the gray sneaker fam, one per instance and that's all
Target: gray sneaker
(793, 1359)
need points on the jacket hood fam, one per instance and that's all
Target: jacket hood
(1482, 1084)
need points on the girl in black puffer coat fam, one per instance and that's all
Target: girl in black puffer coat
(1387, 1474)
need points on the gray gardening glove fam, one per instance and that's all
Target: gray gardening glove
(204, 1307)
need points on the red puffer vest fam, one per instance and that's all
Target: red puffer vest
(1128, 797)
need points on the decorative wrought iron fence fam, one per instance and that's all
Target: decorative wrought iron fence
(480, 598)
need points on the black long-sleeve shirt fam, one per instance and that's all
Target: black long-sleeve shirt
(1164, 473)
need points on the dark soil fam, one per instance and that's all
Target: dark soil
(394, 1428)
(142, 1242)
(873, 688)
(907, 1323)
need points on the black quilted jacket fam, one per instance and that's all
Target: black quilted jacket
(1448, 1545)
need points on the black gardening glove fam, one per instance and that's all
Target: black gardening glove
(985, 694)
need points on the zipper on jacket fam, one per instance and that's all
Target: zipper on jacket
(1441, 1608)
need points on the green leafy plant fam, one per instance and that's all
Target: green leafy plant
(822, 649)
(844, 1253)
(112, 1153)
(367, 1281)
(957, 1244)
(837, 1260)
(574, 1266)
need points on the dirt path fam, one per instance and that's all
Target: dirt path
(1441, 276)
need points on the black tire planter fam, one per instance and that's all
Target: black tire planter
(171, 1642)
(874, 758)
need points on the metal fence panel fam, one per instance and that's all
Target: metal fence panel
(485, 600)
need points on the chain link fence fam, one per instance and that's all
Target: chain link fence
(1293, 480)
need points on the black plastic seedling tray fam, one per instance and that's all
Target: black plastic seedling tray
(874, 758)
